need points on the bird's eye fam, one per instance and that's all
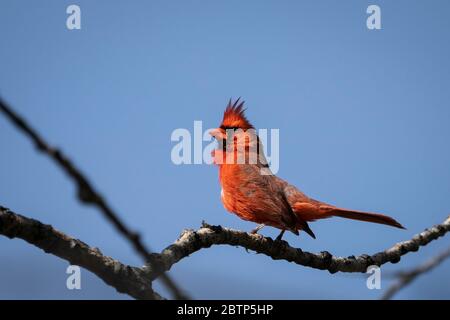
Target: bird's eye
(229, 128)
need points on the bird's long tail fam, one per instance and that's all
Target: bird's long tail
(366, 216)
(313, 211)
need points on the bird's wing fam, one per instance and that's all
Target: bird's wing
(293, 195)
(264, 197)
(304, 207)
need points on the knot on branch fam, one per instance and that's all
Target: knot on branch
(215, 228)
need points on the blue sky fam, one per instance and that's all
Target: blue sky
(363, 118)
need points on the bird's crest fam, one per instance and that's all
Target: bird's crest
(234, 117)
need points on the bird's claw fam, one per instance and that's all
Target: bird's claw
(280, 236)
(259, 227)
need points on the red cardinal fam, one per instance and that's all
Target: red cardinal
(252, 192)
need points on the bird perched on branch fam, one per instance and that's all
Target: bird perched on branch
(252, 192)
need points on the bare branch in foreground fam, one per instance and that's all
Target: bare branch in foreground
(192, 241)
(87, 194)
(136, 282)
(125, 279)
(407, 277)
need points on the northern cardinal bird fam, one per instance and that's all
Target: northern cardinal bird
(253, 193)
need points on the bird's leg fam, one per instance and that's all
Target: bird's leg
(280, 235)
(258, 227)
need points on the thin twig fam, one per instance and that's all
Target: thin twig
(406, 277)
(87, 194)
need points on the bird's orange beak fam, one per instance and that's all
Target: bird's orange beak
(218, 133)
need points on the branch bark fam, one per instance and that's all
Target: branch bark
(125, 279)
(87, 193)
(136, 282)
(192, 241)
(405, 278)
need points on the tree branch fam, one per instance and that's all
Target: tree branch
(136, 282)
(407, 277)
(125, 279)
(192, 241)
(87, 194)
